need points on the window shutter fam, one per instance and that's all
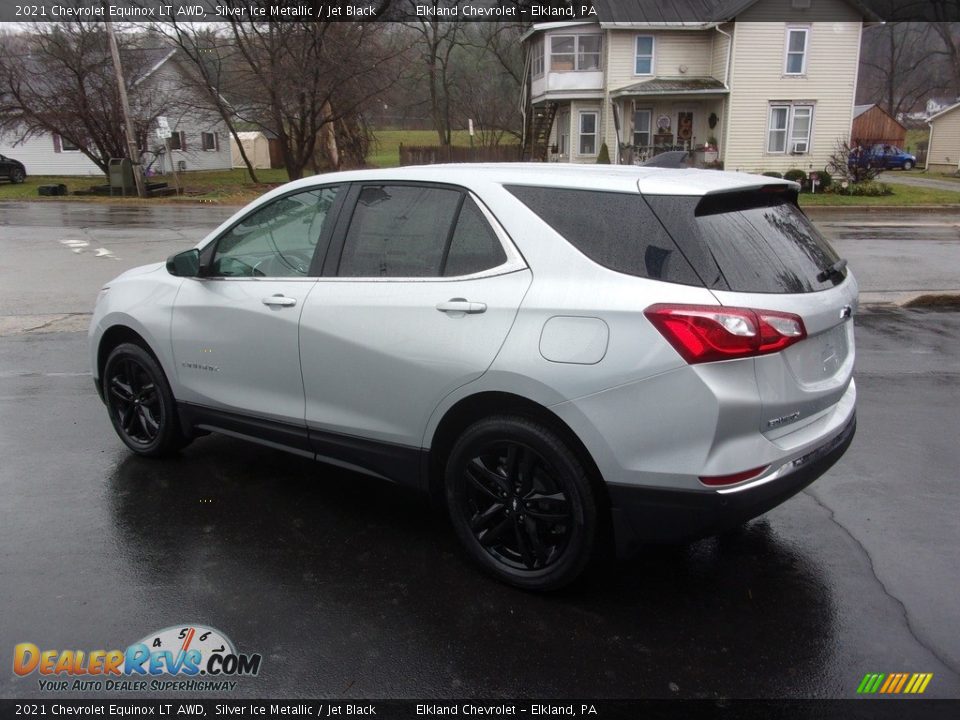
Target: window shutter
(183, 140)
(56, 143)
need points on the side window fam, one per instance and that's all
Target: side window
(399, 231)
(277, 240)
(474, 246)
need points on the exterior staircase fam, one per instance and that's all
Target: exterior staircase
(538, 135)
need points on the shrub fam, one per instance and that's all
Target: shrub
(603, 158)
(861, 189)
(773, 174)
(826, 180)
(798, 176)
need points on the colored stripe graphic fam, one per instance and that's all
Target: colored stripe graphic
(894, 683)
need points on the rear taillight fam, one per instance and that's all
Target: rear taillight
(708, 333)
(717, 480)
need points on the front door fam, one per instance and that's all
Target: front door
(685, 128)
(235, 331)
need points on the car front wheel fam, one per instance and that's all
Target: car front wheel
(17, 175)
(521, 502)
(907, 165)
(140, 403)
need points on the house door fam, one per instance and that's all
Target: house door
(684, 128)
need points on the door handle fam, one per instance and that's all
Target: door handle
(460, 305)
(279, 301)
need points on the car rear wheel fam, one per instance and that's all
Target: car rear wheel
(521, 503)
(17, 175)
(140, 403)
(907, 165)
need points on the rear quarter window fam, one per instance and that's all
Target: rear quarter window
(616, 230)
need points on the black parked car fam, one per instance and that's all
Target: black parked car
(12, 170)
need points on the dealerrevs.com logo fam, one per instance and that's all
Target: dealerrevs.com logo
(183, 657)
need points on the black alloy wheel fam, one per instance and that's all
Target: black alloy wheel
(140, 402)
(17, 175)
(521, 503)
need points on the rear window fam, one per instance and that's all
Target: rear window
(749, 242)
(616, 230)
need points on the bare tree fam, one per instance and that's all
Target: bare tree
(295, 80)
(949, 35)
(438, 44)
(205, 60)
(59, 79)
(899, 64)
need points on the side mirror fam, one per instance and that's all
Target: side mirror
(184, 264)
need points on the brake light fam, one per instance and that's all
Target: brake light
(715, 480)
(708, 333)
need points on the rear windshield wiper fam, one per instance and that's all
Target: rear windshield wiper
(835, 269)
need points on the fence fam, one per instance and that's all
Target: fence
(437, 154)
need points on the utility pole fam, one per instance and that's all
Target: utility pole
(125, 105)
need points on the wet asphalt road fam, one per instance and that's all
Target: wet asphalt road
(351, 587)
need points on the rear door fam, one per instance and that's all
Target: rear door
(414, 303)
(756, 249)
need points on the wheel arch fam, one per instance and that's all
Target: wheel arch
(487, 403)
(117, 335)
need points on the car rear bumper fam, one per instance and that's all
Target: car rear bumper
(653, 515)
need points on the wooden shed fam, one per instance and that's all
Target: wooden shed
(872, 125)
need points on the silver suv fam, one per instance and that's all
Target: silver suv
(561, 354)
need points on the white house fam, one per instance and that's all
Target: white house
(200, 140)
(757, 85)
(943, 152)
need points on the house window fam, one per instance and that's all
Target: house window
(574, 52)
(588, 133)
(643, 61)
(796, 62)
(178, 141)
(536, 63)
(641, 127)
(790, 128)
(588, 52)
(67, 146)
(209, 140)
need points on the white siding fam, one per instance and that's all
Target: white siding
(757, 79)
(671, 50)
(192, 122)
(944, 152)
(719, 52)
(39, 156)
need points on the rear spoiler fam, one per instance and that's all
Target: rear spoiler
(746, 198)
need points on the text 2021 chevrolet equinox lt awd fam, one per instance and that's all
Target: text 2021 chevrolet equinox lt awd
(558, 353)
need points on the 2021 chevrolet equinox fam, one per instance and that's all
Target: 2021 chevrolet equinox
(553, 351)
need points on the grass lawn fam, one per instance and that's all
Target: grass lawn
(386, 148)
(903, 195)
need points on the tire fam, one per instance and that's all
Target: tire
(17, 176)
(907, 165)
(521, 503)
(140, 403)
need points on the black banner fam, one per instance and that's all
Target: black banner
(525, 11)
(856, 709)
